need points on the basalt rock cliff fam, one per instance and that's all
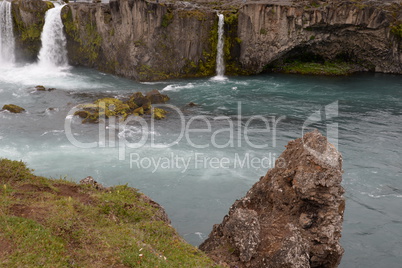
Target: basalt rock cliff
(28, 20)
(292, 217)
(362, 32)
(145, 40)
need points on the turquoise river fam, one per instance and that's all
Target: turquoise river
(200, 159)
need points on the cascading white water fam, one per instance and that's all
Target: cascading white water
(220, 65)
(53, 52)
(6, 34)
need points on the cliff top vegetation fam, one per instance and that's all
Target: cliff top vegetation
(58, 223)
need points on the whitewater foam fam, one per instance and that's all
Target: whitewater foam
(176, 87)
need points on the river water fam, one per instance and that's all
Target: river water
(197, 174)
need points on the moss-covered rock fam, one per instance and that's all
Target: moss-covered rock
(12, 108)
(136, 105)
(158, 113)
(139, 111)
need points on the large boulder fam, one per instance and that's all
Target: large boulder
(292, 217)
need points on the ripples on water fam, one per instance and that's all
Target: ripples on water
(370, 132)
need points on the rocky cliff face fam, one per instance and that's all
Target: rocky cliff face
(357, 31)
(28, 20)
(140, 40)
(150, 41)
(292, 217)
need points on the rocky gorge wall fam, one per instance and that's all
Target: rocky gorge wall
(139, 40)
(359, 31)
(145, 40)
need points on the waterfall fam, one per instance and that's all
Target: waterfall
(6, 34)
(220, 65)
(53, 52)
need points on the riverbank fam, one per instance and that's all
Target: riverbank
(57, 223)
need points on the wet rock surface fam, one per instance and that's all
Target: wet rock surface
(136, 105)
(292, 217)
(12, 108)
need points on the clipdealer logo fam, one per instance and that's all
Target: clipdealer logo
(238, 131)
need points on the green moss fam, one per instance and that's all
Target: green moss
(312, 4)
(31, 33)
(158, 113)
(232, 44)
(91, 45)
(263, 31)
(49, 4)
(326, 68)
(146, 72)
(360, 4)
(207, 64)
(13, 108)
(167, 18)
(194, 13)
(88, 40)
(396, 29)
(69, 25)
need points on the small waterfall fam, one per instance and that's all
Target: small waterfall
(6, 34)
(53, 52)
(220, 65)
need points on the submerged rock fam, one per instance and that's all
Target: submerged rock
(40, 88)
(12, 108)
(292, 217)
(192, 104)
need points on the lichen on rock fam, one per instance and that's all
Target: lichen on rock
(292, 217)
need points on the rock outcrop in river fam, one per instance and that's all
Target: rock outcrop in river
(292, 217)
(146, 40)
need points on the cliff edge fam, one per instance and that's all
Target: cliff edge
(292, 217)
(58, 223)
